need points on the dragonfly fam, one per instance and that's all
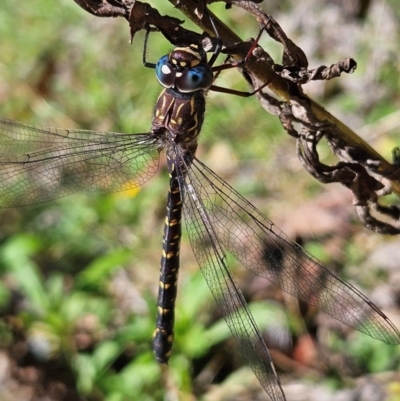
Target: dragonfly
(39, 164)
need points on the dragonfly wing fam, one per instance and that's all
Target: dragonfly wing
(40, 164)
(262, 248)
(209, 252)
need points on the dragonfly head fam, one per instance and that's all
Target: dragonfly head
(184, 69)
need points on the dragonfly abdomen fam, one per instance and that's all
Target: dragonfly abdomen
(164, 334)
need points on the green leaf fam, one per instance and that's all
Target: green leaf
(86, 372)
(16, 255)
(97, 273)
(105, 354)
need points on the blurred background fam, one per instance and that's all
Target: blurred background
(79, 275)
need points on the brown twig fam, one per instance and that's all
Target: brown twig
(360, 168)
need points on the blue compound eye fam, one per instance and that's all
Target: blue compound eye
(165, 72)
(193, 79)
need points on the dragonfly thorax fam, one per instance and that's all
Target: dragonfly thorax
(184, 70)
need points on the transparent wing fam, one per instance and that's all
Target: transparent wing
(209, 252)
(39, 164)
(263, 249)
